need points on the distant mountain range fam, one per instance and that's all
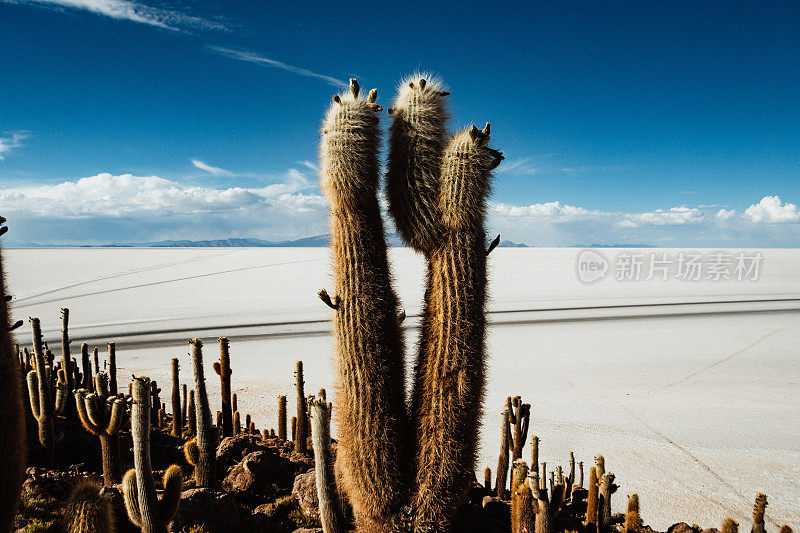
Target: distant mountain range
(392, 239)
(317, 241)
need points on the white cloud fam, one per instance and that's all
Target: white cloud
(126, 208)
(725, 214)
(772, 210)
(131, 11)
(550, 211)
(13, 140)
(216, 171)
(252, 57)
(663, 217)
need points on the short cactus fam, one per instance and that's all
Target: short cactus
(223, 370)
(184, 403)
(282, 417)
(237, 423)
(144, 508)
(177, 426)
(329, 507)
(523, 513)
(104, 415)
(547, 508)
(503, 458)
(759, 510)
(12, 411)
(88, 510)
(112, 367)
(607, 488)
(592, 501)
(301, 431)
(204, 471)
(633, 520)
(487, 479)
(191, 415)
(519, 418)
(729, 525)
(86, 366)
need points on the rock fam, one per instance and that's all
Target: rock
(680, 527)
(278, 509)
(305, 490)
(261, 475)
(233, 449)
(216, 511)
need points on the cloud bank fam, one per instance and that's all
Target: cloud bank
(108, 208)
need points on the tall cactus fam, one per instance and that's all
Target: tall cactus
(86, 366)
(503, 458)
(450, 370)
(329, 509)
(104, 415)
(206, 442)
(177, 425)
(12, 430)
(46, 398)
(138, 487)
(191, 415)
(223, 370)
(759, 509)
(66, 357)
(607, 488)
(373, 456)
(520, 420)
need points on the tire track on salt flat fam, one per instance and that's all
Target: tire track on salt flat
(118, 275)
(163, 282)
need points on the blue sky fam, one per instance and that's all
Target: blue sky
(670, 123)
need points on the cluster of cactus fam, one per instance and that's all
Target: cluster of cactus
(437, 188)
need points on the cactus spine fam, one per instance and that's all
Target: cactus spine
(177, 426)
(12, 430)
(223, 370)
(138, 487)
(104, 415)
(204, 472)
(301, 432)
(47, 400)
(329, 509)
(282, 417)
(372, 458)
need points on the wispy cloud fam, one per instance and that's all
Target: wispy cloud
(131, 11)
(13, 140)
(518, 166)
(251, 57)
(216, 171)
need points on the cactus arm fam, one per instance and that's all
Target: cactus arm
(416, 144)
(61, 397)
(130, 496)
(373, 456)
(101, 384)
(83, 415)
(95, 409)
(190, 452)
(173, 485)
(117, 418)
